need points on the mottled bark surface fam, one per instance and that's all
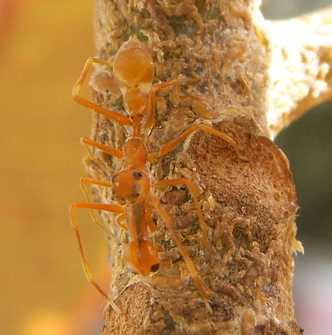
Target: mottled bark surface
(218, 52)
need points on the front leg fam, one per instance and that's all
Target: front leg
(105, 207)
(203, 291)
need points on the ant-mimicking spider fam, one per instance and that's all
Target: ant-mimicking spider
(133, 71)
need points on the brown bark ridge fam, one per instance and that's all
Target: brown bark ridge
(221, 55)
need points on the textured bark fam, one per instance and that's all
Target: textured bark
(222, 54)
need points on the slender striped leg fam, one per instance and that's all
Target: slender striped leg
(77, 88)
(190, 265)
(192, 187)
(105, 207)
(196, 126)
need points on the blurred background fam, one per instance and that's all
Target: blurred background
(43, 46)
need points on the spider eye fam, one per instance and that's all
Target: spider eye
(137, 175)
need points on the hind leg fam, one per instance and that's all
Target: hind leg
(77, 88)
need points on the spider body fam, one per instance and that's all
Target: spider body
(133, 71)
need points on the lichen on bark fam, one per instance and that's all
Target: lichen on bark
(220, 53)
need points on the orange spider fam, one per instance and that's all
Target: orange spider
(133, 70)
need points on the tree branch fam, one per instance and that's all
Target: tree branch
(240, 75)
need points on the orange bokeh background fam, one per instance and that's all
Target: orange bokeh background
(43, 47)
